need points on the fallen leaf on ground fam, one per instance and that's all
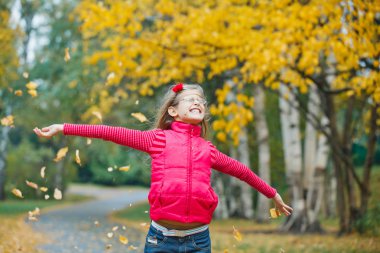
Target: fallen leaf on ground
(109, 235)
(123, 239)
(131, 247)
(115, 228)
(237, 235)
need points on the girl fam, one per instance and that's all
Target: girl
(181, 199)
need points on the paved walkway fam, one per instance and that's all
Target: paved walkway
(72, 229)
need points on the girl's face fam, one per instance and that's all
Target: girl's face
(191, 108)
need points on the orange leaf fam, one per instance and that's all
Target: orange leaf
(125, 168)
(31, 184)
(67, 55)
(237, 235)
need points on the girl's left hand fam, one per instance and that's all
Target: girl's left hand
(281, 206)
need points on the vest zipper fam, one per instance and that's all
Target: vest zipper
(190, 168)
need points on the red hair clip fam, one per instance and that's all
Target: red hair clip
(178, 87)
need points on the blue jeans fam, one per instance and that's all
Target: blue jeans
(156, 242)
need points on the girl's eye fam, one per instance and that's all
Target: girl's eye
(192, 100)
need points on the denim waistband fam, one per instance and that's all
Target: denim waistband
(179, 233)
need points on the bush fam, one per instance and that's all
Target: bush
(370, 222)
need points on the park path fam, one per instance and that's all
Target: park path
(72, 229)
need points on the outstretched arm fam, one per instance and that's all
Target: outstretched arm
(226, 164)
(140, 140)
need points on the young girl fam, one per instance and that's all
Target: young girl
(181, 199)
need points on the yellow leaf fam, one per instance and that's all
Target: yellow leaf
(67, 55)
(43, 189)
(131, 247)
(57, 194)
(98, 115)
(31, 184)
(124, 168)
(274, 213)
(46, 197)
(237, 235)
(42, 172)
(35, 212)
(33, 93)
(89, 141)
(123, 239)
(18, 93)
(17, 193)
(61, 154)
(77, 158)
(141, 117)
(31, 86)
(25, 74)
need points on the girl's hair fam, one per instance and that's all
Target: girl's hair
(164, 120)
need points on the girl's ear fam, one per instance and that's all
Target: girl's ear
(172, 111)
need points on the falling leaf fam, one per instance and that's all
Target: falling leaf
(89, 141)
(125, 168)
(25, 74)
(274, 213)
(35, 212)
(18, 93)
(123, 239)
(237, 235)
(137, 102)
(57, 194)
(131, 247)
(109, 235)
(33, 93)
(31, 86)
(145, 211)
(17, 193)
(67, 55)
(47, 196)
(111, 76)
(43, 189)
(110, 169)
(77, 158)
(42, 172)
(31, 184)
(32, 218)
(141, 117)
(115, 228)
(61, 154)
(98, 115)
(7, 121)
(143, 224)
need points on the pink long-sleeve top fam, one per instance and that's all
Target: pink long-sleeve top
(184, 141)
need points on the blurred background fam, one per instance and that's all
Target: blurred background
(293, 89)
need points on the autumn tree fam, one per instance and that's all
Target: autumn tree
(330, 45)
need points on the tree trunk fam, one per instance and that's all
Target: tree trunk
(4, 141)
(293, 161)
(263, 203)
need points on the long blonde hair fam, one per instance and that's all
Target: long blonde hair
(164, 120)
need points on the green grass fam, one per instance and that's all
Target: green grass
(136, 212)
(15, 207)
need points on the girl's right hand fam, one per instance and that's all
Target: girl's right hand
(49, 131)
